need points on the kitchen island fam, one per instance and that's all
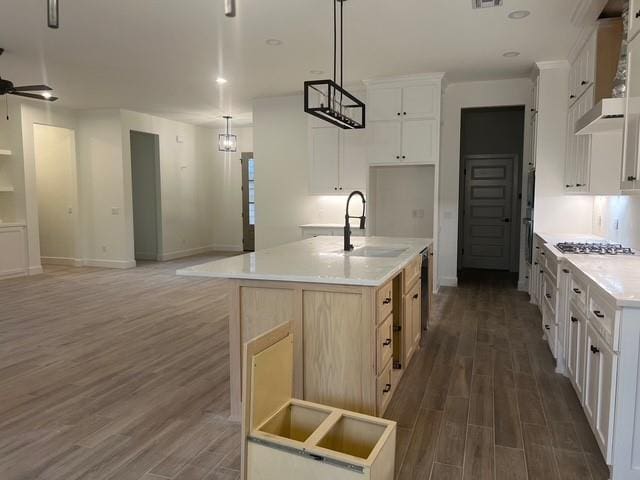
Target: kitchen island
(356, 316)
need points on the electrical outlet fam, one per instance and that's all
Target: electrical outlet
(69, 210)
(419, 213)
(104, 249)
(179, 139)
(115, 211)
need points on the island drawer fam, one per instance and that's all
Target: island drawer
(412, 274)
(578, 290)
(384, 387)
(604, 318)
(384, 344)
(384, 301)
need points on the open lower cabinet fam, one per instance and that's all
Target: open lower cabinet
(288, 438)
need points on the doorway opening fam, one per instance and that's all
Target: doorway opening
(248, 202)
(491, 152)
(145, 184)
(56, 187)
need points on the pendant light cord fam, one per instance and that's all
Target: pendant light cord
(341, 43)
(335, 38)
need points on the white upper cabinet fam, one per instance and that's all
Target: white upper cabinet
(403, 120)
(634, 18)
(630, 165)
(419, 143)
(384, 104)
(338, 162)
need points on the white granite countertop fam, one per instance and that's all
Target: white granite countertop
(617, 276)
(316, 260)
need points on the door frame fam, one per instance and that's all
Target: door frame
(516, 214)
(158, 185)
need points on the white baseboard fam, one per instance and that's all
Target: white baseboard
(37, 270)
(163, 257)
(71, 262)
(523, 285)
(18, 272)
(146, 256)
(119, 264)
(448, 281)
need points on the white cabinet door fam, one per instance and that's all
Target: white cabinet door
(576, 342)
(572, 147)
(592, 377)
(634, 18)
(630, 171)
(604, 416)
(385, 142)
(384, 103)
(353, 161)
(419, 144)
(325, 153)
(13, 251)
(420, 101)
(583, 169)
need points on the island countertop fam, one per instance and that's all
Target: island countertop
(317, 260)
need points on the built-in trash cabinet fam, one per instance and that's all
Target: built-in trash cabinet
(286, 438)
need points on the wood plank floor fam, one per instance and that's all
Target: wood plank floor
(481, 399)
(124, 375)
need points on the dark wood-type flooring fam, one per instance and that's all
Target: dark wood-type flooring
(122, 375)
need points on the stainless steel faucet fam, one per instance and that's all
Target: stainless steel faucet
(347, 226)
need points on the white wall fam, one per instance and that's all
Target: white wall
(227, 191)
(404, 200)
(458, 96)
(625, 210)
(282, 174)
(55, 155)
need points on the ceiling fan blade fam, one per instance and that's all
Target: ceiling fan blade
(35, 96)
(32, 88)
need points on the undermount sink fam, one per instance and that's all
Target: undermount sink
(378, 252)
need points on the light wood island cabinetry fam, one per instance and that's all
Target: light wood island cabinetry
(351, 342)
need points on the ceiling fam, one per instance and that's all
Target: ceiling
(163, 56)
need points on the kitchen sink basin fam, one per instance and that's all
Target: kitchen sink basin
(377, 252)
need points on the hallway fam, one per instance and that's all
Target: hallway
(482, 400)
(124, 375)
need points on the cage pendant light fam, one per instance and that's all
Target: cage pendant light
(226, 141)
(328, 100)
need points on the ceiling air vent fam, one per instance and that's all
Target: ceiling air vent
(486, 3)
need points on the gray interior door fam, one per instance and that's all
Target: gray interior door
(248, 202)
(488, 200)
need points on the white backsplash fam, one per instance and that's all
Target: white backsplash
(617, 218)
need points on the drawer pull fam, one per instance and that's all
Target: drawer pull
(315, 457)
(535, 263)
(594, 350)
(386, 343)
(565, 270)
(598, 313)
(638, 14)
(548, 295)
(547, 327)
(415, 296)
(387, 301)
(541, 271)
(542, 253)
(574, 319)
(387, 388)
(577, 291)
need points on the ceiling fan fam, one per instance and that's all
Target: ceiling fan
(8, 88)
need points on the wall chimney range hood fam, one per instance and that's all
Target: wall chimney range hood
(606, 116)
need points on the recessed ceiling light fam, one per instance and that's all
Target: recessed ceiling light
(519, 14)
(47, 95)
(511, 54)
(274, 42)
(316, 72)
(221, 81)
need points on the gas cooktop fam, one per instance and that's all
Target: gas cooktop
(594, 248)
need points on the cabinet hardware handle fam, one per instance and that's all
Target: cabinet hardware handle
(565, 270)
(535, 263)
(315, 457)
(568, 186)
(340, 188)
(542, 253)
(548, 295)
(387, 388)
(386, 343)
(398, 113)
(386, 301)
(598, 313)
(541, 271)
(631, 178)
(638, 14)
(537, 248)
(397, 328)
(584, 82)
(572, 96)
(415, 296)
(398, 157)
(594, 350)
(547, 327)
(404, 113)
(574, 319)
(581, 185)
(404, 156)
(335, 188)
(577, 291)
